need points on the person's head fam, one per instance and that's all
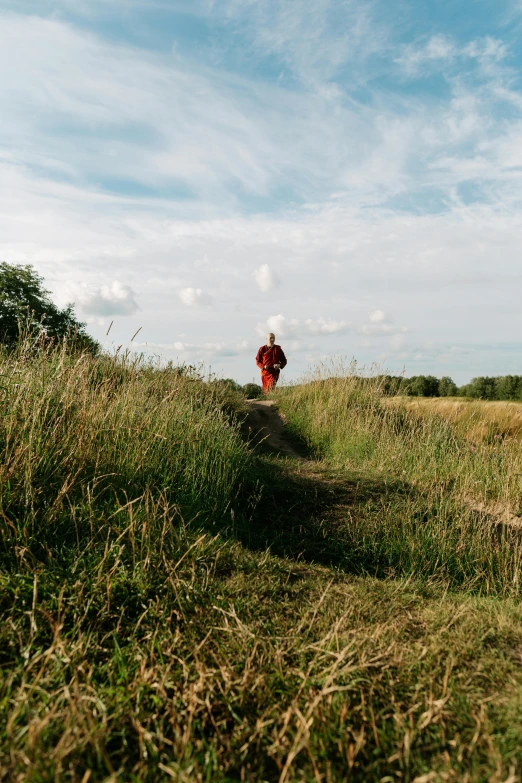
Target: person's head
(270, 339)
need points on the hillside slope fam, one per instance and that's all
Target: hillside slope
(178, 604)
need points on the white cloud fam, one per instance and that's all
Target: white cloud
(441, 50)
(157, 132)
(397, 342)
(486, 48)
(326, 326)
(378, 316)
(207, 348)
(381, 325)
(311, 40)
(194, 297)
(103, 301)
(279, 325)
(180, 129)
(375, 329)
(437, 48)
(69, 77)
(197, 351)
(265, 278)
(285, 327)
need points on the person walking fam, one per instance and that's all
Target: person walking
(270, 359)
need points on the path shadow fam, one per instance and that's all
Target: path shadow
(358, 524)
(311, 515)
(305, 511)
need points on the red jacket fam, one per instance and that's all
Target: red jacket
(270, 356)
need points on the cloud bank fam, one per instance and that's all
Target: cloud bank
(287, 327)
(194, 297)
(370, 157)
(103, 301)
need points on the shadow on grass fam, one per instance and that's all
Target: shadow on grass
(375, 527)
(311, 516)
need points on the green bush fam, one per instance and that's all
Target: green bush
(253, 391)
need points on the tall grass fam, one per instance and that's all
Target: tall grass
(479, 421)
(446, 505)
(111, 469)
(141, 641)
(82, 438)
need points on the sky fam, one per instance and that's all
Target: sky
(344, 173)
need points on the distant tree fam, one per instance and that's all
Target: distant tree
(26, 305)
(252, 390)
(447, 388)
(480, 388)
(508, 387)
(192, 371)
(228, 383)
(422, 386)
(391, 385)
(405, 387)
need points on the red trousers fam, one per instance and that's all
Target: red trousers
(269, 380)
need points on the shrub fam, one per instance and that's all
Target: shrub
(252, 390)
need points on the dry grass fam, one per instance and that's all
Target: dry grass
(477, 420)
(236, 666)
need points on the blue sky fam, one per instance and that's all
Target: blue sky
(346, 174)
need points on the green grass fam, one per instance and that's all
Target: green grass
(177, 607)
(429, 504)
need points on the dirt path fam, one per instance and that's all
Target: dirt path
(265, 424)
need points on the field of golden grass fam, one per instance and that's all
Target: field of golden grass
(478, 421)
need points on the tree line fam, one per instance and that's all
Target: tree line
(502, 387)
(505, 387)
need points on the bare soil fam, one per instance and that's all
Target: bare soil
(264, 424)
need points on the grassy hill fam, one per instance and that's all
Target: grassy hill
(178, 605)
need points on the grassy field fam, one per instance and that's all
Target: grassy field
(476, 420)
(176, 605)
